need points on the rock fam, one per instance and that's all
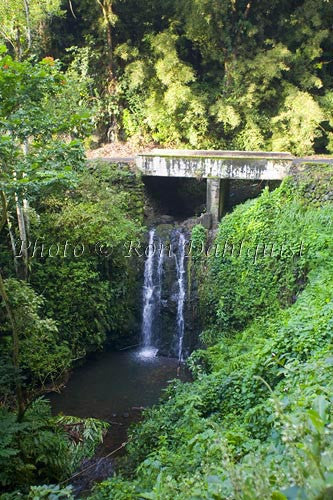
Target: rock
(158, 220)
(189, 224)
(206, 220)
(167, 219)
(163, 231)
(164, 353)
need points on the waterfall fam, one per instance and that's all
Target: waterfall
(148, 297)
(180, 266)
(153, 327)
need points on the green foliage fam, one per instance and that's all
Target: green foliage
(99, 220)
(44, 354)
(91, 213)
(201, 74)
(257, 420)
(35, 113)
(41, 448)
(32, 448)
(261, 256)
(85, 234)
(173, 110)
(198, 241)
(21, 22)
(90, 432)
(225, 76)
(195, 258)
(297, 126)
(50, 491)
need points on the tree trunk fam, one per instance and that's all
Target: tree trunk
(15, 334)
(23, 226)
(18, 48)
(27, 16)
(12, 243)
(23, 236)
(4, 210)
(110, 50)
(25, 201)
(5, 218)
(108, 18)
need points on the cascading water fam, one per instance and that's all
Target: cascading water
(153, 326)
(181, 276)
(148, 299)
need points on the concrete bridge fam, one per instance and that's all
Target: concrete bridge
(218, 167)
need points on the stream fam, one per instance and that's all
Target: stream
(117, 386)
(109, 386)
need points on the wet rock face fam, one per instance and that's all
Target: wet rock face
(315, 182)
(165, 325)
(164, 230)
(165, 219)
(166, 339)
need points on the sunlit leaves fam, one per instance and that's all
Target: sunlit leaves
(296, 126)
(35, 116)
(20, 21)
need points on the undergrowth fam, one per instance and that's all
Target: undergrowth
(257, 421)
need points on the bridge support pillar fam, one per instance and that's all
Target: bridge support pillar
(217, 196)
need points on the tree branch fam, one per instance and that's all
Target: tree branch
(71, 9)
(247, 10)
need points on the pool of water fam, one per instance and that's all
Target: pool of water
(114, 384)
(115, 387)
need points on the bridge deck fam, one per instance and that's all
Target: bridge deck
(217, 167)
(252, 165)
(215, 164)
(213, 153)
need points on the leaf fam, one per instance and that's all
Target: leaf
(148, 496)
(321, 406)
(316, 421)
(277, 495)
(294, 493)
(214, 479)
(329, 361)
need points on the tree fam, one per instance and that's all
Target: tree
(38, 110)
(37, 155)
(297, 125)
(245, 61)
(109, 19)
(21, 22)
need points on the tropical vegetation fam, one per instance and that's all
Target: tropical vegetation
(256, 420)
